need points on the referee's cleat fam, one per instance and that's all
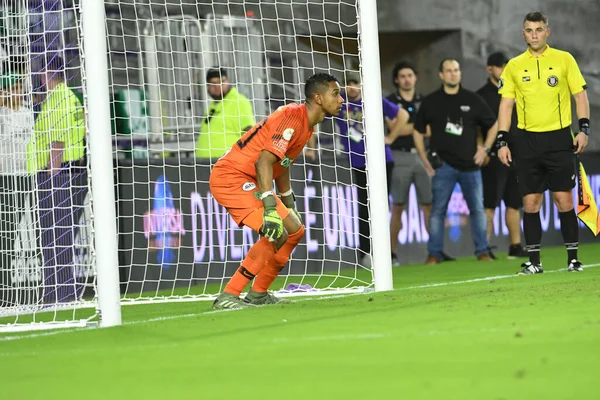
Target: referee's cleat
(395, 261)
(516, 251)
(228, 301)
(575, 266)
(260, 299)
(530, 269)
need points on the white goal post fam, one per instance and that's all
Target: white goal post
(148, 230)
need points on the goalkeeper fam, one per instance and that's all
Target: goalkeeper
(242, 182)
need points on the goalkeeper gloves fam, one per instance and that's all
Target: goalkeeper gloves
(289, 200)
(272, 227)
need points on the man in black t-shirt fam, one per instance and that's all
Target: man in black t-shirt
(500, 181)
(408, 167)
(453, 115)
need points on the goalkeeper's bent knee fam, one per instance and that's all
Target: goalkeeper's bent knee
(281, 240)
(283, 254)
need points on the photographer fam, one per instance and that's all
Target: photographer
(453, 114)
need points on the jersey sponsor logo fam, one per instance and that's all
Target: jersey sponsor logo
(281, 145)
(287, 134)
(526, 79)
(465, 108)
(248, 186)
(552, 80)
(500, 83)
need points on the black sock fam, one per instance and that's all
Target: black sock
(532, 228)
(570, 233)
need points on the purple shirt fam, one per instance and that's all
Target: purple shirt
(350, 122)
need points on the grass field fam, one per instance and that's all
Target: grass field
(482, 333)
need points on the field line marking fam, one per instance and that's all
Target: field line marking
(488, 278)
(157, 319)
(172, 317)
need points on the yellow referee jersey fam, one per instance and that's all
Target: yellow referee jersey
(542, 88)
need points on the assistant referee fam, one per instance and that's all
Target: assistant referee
(541, 81)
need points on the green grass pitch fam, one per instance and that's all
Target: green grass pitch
(481, 334)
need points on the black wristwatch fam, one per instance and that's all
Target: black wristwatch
(584, 126)
(501, 144)
(487, 149)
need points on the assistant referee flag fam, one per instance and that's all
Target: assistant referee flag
(587, 210)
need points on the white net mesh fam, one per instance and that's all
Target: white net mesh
(175, 241)
(47, 248)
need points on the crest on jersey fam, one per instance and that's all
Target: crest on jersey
(248, 186)
(287, 134)
(500, 83)
(552, 80)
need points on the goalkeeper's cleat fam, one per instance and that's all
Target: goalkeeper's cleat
(530, 269)
(259, 299)
(228, 301)
(575, 266)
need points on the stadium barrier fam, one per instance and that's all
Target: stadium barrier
(170, 228)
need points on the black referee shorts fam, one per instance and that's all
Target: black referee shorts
(500, 183)
(544, 160)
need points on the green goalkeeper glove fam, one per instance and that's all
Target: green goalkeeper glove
(272, 227)
(290, 202)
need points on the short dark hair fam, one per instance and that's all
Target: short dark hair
(400, 66)
(536, 16)
(317, 84)
(441, 67)
(216, 72)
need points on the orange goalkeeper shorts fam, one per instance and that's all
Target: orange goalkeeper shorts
(239, 194)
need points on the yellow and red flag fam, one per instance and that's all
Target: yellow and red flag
(587, 210)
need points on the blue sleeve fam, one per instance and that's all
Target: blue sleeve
(390, 110)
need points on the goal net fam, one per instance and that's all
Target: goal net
(46, 220)
(169, 126)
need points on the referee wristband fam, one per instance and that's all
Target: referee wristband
(584, 125)
(501, 139)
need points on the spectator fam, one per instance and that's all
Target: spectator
(16, 125)
(408, 167)
(57, 156)
(350, 124)
(229, 116)
(500, 181)
(453, 114)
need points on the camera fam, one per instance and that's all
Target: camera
(434, 159)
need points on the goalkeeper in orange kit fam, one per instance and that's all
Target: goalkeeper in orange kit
(242, 182)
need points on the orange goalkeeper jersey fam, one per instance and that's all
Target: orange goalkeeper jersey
(283, 133)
